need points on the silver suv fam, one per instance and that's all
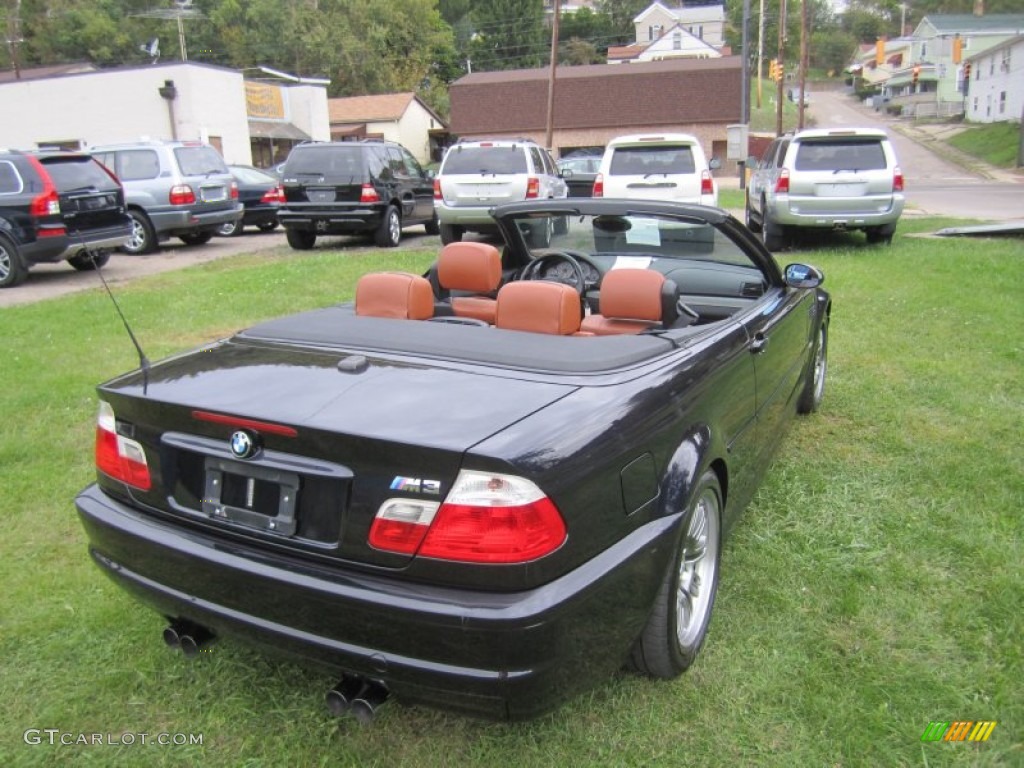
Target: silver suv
(172, 189)
(475, 176)
(825, 179)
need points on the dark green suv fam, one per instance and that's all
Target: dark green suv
(346, 187)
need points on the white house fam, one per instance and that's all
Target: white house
(401, 117)
(177, 100)
(995, 90)
(705, 22)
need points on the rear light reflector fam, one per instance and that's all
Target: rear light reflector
(182, 194)
(234, 190)
(237, 422)
(486, 518)
(782, 183)
(437, 190)
(532, 188)
(118, 456)
(598, 186)
(369, 194)
(897, 180)
(707, 186)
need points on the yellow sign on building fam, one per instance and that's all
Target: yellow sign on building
(264, 101)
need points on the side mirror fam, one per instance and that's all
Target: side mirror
(803, 276)
(751, 162)
(565, 173)
(715, 164)
(430, 174)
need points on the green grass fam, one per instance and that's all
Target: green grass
(995, 143)
(874, 585)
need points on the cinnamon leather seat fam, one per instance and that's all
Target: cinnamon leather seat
(471, 268)
(394, 294)
(632, 300)
(539, 307)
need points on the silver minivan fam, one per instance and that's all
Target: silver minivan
(172, 189)
(836, 179)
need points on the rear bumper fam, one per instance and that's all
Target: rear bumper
(492, 655)
(327, 221)
(175, 223)
(810, 212)
(476, 218)
(58, 248)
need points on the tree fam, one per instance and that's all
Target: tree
(622, 13)
(509, 34)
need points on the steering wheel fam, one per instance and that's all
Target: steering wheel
(533, 269)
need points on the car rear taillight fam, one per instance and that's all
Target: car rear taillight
(118, 456)
(707, 186)
(897, 180)
(369, 194)
(532, 188)
(782, 183)
(486, 518)
(47, 202)
(182, 194)
(273, 195)
(437, 190)
(234, 190)
(598, 186)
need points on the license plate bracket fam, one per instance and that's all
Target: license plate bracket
(251, 495)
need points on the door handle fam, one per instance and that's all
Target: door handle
(759, 343)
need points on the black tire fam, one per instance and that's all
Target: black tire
(450, 233)
(196, 238)
(230, 229)
(881, 234)
(751, 221)
(433, 226)
(89, 260)
(267, 226)
(814, 382)
(562, 225)
(678, 624)
(773, 235)
(13, 268)
(300, 239)
(143, 238)
(540, 234)
(389, 233)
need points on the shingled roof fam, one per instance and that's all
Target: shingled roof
(671, 92)
(377, 108)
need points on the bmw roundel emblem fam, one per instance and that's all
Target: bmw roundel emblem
(243, 444)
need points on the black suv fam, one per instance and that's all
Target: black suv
(345, 187)
(57, 205)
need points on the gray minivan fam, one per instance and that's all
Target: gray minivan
(172, 189)
(836, 179)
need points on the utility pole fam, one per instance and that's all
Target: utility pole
(14, 38)
(804, 33)
(745, 75)
(548, 137)
(782, 57)
(760, 51)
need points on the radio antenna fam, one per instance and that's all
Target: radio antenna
(143, 360)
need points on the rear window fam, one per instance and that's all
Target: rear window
(331, 161)
(641, 161)
(77, 172)
(485, 160)
(847, 155)
(10, 181)
(253, 176)
(199, 161)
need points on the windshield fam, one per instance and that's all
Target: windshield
(485, 160)
(638, 238)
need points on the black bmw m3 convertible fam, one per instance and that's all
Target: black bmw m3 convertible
(482, 488)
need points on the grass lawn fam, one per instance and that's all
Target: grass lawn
(875, 584)
(995, 143)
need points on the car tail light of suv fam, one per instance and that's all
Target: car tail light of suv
(117, 455)
(273, 195)
(182, 194)
(782, 184)
(532, 188)
(437, 190)
(897, 179)
(598, 186)
(486, 518)
(707, 186)
(369, 194)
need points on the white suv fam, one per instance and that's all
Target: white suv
(668, 166)
(475, 176)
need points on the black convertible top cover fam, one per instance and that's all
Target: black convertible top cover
(339, 327)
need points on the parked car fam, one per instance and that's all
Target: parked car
(839, 179)
(371, 187)
(56, 206)
(482, 517)
(173, 189)
(670, 166)
(475, 176)
(261, 195)
(579, 172)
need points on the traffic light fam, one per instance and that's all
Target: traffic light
(916, 76)
(967, 71)
(780, 71)
(773, 66)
